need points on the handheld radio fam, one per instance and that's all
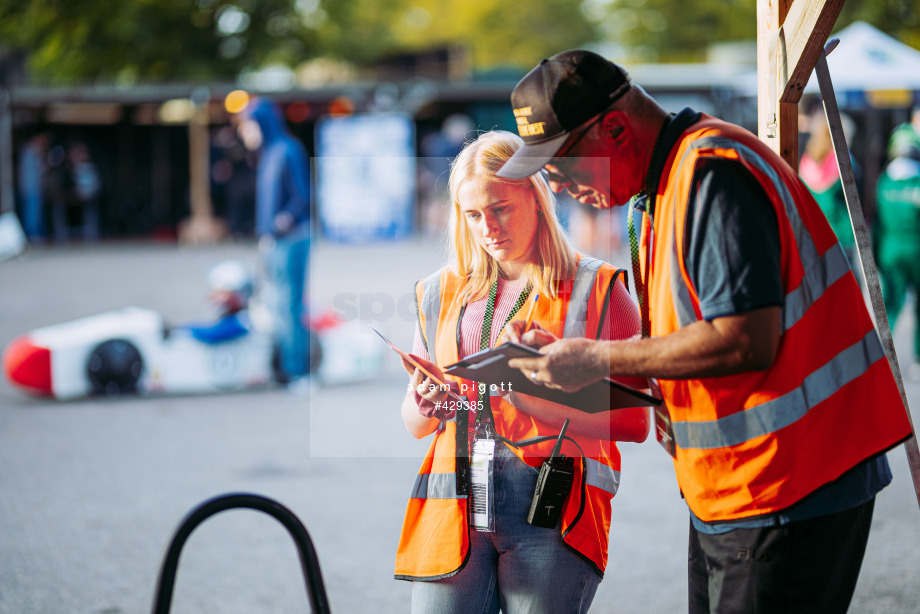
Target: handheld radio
(553, 486)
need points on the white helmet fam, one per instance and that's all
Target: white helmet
(231, 276)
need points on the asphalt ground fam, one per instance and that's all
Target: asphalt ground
(91, 490)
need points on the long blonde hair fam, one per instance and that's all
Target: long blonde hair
(553, 256)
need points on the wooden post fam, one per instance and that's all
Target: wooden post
(790, 37)
(201, 226)
(199, 141)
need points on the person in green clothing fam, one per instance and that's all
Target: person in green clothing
(908, 131)
(898, 234)
(818, 169)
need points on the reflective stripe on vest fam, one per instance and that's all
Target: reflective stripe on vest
(784, 410)
(680, 293)
(601, 475)
(576, 317)
(444, 485)
(431, 308)
(436, 486)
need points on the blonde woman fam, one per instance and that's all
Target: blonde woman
(511, 262)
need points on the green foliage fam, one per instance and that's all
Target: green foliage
(497, 32)
(674, 30)
(681, 30)
(157, 40)
(898, 18)
(153, 40)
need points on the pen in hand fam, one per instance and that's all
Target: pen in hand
(533, 308)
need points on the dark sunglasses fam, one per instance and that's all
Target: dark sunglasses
(559, 162)
(565, 149)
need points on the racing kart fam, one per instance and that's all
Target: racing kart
(135, 350)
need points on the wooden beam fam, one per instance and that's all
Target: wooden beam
(770, 17)
(790, 35)
(802, 36)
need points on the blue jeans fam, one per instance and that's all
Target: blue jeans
(518, 568)
(287, 266)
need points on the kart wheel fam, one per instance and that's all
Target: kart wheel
(114, 368)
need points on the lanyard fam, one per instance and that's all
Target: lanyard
(484, 402)
(645, 202)
(638, 204)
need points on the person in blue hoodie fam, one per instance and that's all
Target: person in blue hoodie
(283, 227)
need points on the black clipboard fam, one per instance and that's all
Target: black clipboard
(490, 366)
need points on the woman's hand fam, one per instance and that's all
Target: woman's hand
(526, 333)
(430, 396)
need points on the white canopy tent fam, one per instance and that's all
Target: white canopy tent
(867, 59)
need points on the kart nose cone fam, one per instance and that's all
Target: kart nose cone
(28, 365)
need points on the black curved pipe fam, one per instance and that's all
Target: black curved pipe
(316, 590)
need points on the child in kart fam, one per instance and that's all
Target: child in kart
(231, 288)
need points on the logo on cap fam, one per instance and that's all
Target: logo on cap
(525, 128)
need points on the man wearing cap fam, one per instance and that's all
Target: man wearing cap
(779, 403)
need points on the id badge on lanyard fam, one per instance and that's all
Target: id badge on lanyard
(482, 507)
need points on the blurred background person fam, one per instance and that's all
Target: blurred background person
(32, 164)
(818, 169)
(86, 188)
(233, 181)
(72, 187)
(897, 233)
(283, 228)
(57, 185)
(908, 131)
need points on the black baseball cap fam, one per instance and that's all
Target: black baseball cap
(557, 96)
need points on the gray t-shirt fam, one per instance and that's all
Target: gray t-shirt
(731, 240)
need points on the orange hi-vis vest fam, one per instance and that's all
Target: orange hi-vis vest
(434, 543)
(758, 442)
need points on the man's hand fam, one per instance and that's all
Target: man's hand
(726, 346)
(567, 364)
